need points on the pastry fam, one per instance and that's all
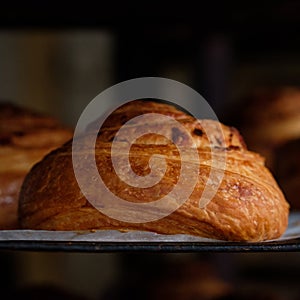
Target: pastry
(25, 138)
(247, 206)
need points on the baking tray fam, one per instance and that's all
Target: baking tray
(162, 247)
(138, 241)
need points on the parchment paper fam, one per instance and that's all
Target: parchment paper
(292, 232)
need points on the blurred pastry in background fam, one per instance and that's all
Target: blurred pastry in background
(25, 138)
(271, 126)
(187, 279)
(196, 280)
(287, 170)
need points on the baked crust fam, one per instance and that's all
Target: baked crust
(248, 205)
(25, 138)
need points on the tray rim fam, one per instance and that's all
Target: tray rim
(154, 247)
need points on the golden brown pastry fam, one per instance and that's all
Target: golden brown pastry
(25, 138)
(248, 205)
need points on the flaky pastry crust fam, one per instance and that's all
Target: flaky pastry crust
(248, 205)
